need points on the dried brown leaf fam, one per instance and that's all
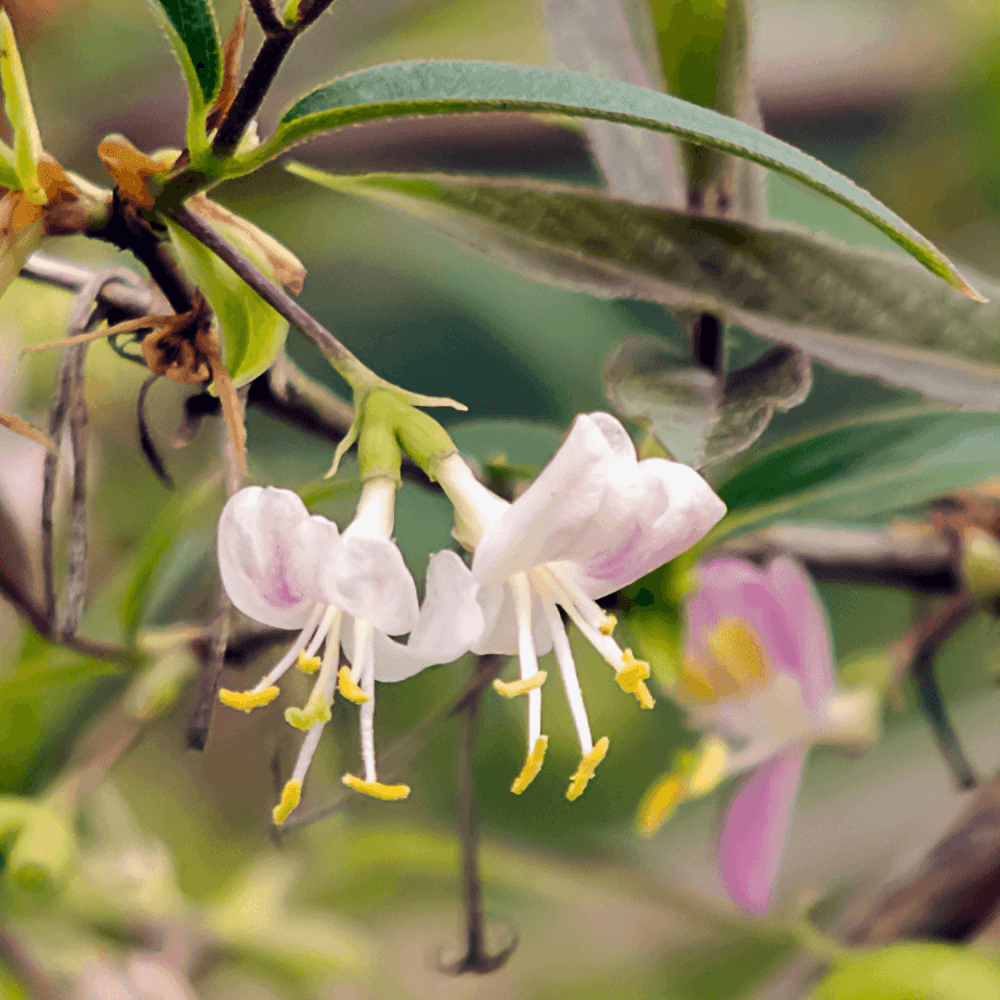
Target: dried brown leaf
(20, 426)
(231, 57)
(232, 410)
(130, 167)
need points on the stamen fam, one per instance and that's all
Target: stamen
(579, 779)
(693, 678)
(367, 713)
(315, 713)
(532, 765)
(711, 768)
(247, 701)
(349, 689)
(308, 664)
(291, 795)
(659, 803)
(527, 657)
(362, 648)
(736, 649)
(564, 657)
(608, 626)
(642, 695)
(388, 793)
(511, 689)
(331, 615)
(280, 668)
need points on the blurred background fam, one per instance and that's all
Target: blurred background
(901, 95)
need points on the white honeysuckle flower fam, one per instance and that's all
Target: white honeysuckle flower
(289, 569)
(594, 520)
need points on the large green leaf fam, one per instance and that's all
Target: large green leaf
(191, 28)
(861, 470)
(861, 311)
(449, 86)
(27, 151)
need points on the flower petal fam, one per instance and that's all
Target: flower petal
(499, 633)
(367, 578)
(544, 523)
(270, 554)
(754, 829)
(651, 511)
(451, 620)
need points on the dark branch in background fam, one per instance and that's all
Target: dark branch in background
(707, 334)
(50, 473)
(312, 12)
(264, 12)
(146, 442)
(76, 580)
(476, 958)
(911, 556)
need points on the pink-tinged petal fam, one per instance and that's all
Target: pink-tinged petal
(500, 624)
(451, 620)
(810, 627)
(754, 830)
(367, 578)
(270, 554)
(651, 511)
(546, 521)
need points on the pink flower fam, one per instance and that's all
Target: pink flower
(594, 520)
(759, 677)
(289, 569)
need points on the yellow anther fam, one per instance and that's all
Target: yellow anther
(642, 695)
(316, 711)
(349, 689)
(695, 680)
(633, 672)
(711, 767)
(388, 793)
(532, 765)
(659, 803)
(247, 701)
(608, 626)
(511, 689)
(308, 664)
(736, 649)
(579, 779)
(291, 796)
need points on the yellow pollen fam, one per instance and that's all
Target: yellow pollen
(388, 793)
(349, 689)
(633, 672)
(736, 649)
(711, 766)
(316, 711)
(511, 689)
(695, 680)
(308, 664)
(247, 701)
(642, 695)
(291, 795)
(659, 803)
(608, 626)
(532, 765)
(579, 779)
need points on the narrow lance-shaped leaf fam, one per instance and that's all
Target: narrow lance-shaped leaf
(861, 311)
(193, 33)
(454, 86)
(27, 152)
(595, 36)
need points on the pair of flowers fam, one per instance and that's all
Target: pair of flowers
(593, 521)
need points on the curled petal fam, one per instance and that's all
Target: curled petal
(451, 621)
(270, 554)
(651, 511)
(367, 578)
(545, 522)
(754, 830)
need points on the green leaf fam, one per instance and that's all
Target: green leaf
(698, 416)
(594, 36)
(193, 33)
(861, 470)
(252, 331)
(861, 311)
(27, 151)
(451, 86)
(175, 518)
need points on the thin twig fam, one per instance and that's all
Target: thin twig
(312, 13)
(146, 442)
(271, 293)
(266, 17)
(76, 578)
(50, 474)
(476, 959)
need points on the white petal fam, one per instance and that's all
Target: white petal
(651, 511)
(500, 623)
(544, 522)
(451, 620)
(368, 579)
(270, 554)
